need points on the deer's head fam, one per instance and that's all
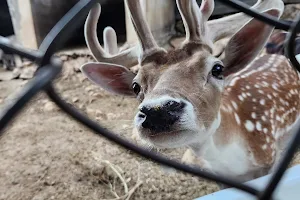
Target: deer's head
(180, 91)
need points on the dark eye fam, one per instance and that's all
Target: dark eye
(136, 88)
(217, 71)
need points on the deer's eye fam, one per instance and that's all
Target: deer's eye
(217, 71)
(136, 88)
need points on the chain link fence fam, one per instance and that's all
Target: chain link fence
(49, 67)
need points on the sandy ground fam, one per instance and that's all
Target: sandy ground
(46, 155)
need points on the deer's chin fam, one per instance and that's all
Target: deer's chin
(169, 139)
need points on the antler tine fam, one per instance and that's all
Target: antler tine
(195, 19)
(110, 41)
(127, 58)
(147, 41)
(228, 26)
(190, 20)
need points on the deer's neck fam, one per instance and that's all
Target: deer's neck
(222, 132)
(223, 152)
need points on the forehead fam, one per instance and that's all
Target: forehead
(179, 60)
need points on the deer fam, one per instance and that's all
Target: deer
(234, 114)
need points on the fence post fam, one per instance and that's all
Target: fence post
(23, 24)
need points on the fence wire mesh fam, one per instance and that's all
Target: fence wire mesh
(49, 67)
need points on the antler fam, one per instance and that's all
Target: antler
(146, 39)
(195, 19)
(110, 41)
(228, 26)
(110, 53)
(197, 25)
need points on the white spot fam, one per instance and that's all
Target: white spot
(249, 126)
(278, 118)
(237, 119)
(262, 102)
(273, 146)
(258, 126)
(268, 139)
(265, 130)
(254, 100)
(234, 105)
(253, 115)
(265, 83)
(264, 118)
(240, 98)
(264, 147)
(273, 69)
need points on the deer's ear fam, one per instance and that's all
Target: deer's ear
(111, 77)
(247, 43)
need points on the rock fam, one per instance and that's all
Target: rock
(7, 75)
(99, 115)
(111, 116)
(97, 95)
(81, 106)
(89, 88)
(291, 11)
(28, 72)
(18, 61)
(75, 100)
(50, 107)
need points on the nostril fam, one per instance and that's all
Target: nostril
(142, 115)
(144, 110)
(174, 105)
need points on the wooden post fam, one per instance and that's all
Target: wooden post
(160, 15)
(23, 24)
(33, 19)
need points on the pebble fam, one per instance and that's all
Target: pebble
(50, 106)
(75, 99)
(7, 75)
(27, 73)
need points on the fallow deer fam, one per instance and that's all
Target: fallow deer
(233, 113)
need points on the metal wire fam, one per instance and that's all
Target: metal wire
(50, 67)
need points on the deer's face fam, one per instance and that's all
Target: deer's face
(179, 101)
(180, 91)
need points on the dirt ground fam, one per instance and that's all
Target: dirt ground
(44, 154)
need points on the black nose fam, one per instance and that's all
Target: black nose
(161, 118)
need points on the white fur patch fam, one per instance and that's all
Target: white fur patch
(150, 103)
(249, 126)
